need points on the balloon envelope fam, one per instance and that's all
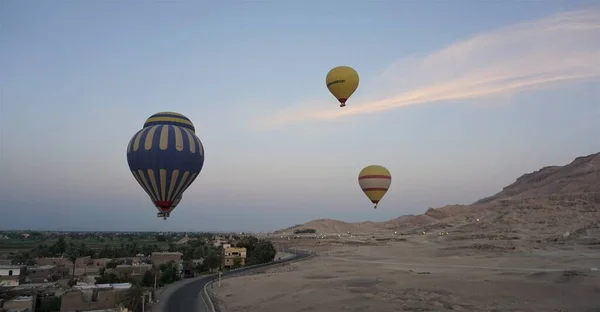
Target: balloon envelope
(342, 81)
(165, 159)
(170, 118)
(374, 181)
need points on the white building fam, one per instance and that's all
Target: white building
(10, 270)
(116, 286)
(12, 275)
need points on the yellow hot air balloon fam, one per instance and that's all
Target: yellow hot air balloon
(375, 181)
(342, 81)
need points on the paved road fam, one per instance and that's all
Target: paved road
(190, 297)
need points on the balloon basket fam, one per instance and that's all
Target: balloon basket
(163, 215)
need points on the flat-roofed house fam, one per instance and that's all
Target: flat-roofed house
(159, 258)
(12, 275)
(230, 254)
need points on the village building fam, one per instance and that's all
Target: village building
(12, 275)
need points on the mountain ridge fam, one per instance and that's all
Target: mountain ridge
(545, 202)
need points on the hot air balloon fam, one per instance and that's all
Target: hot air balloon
(342, 81)
(165, 157)
(375, 181)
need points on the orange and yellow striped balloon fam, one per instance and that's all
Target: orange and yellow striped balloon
(375, 181)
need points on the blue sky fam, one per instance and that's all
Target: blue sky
(457, 99)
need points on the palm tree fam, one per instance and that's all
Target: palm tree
(73, 258)
(134, 298)
(156, 272)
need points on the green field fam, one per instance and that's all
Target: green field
(18, 245)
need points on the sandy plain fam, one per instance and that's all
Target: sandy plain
(420, 273)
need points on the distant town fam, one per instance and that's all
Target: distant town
(113, 271)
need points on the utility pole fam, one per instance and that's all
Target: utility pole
(143, 302)
(220, 278)
(155, 281)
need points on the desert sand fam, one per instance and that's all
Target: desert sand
(420, 273)
(534, 246)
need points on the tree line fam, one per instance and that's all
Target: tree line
(257, 251)
(305, 231)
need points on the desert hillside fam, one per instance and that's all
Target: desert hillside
(557, 203)
(580, 176)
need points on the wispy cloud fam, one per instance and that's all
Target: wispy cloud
(537, 54)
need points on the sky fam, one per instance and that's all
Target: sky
(456, 99)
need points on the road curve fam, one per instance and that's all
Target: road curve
(190, 297)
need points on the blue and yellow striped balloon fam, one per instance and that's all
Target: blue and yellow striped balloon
(170, 118)
(165, 159)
